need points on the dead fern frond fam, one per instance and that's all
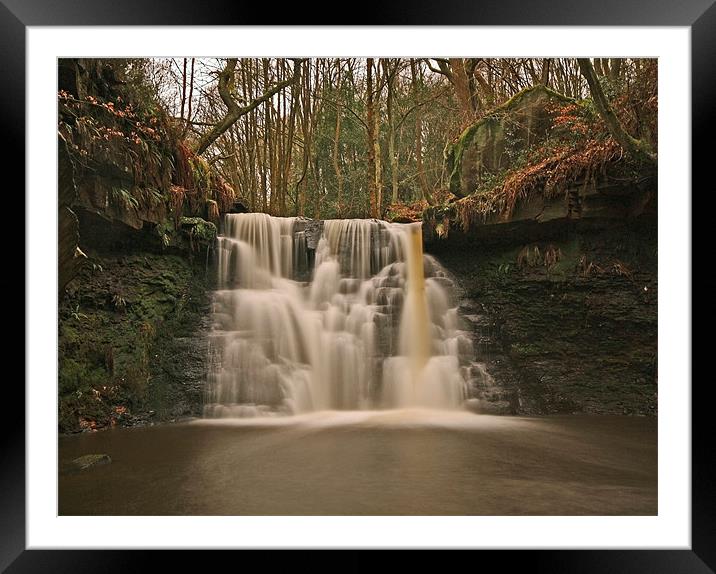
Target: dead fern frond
(552, 256)
(620, 269)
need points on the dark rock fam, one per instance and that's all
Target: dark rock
(70, 256)
(313, 229)
(555, 340)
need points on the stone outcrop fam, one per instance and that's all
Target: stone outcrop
(482, 157)
(564, 317)
(132, 341)
(492, 143)
(69, 255)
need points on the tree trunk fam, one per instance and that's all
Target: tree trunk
(183, 91)
(289, 144)
(392, 155)
(306, 130)
(546, 64)
(422, 178)
(370, 123)
(336, 164)
(638, 148)
(234, 111)
(462, 87)
(191, 96)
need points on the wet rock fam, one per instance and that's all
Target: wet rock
(91, 460)
(313, 229)
(484, 407)
(555, 340)
(444, 282)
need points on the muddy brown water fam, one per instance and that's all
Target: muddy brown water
(368, 463)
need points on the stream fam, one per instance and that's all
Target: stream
(396, 462)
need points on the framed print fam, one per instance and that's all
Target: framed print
(320, 288)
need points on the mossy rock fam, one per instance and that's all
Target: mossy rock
(490, 145)
(199, 228)
(111, 355)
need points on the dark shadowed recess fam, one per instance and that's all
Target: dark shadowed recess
(15, 15)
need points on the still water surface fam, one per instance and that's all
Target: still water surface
(409, 462)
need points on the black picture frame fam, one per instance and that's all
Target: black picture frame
(699, 15)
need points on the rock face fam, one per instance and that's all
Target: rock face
(491, 144)
(575, 335)
(69, 255)
(132, 341)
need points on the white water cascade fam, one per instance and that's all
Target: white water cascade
(373, 328)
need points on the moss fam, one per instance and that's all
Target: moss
(490, 134)
(526, 350)
(107, 351)
(486, 129)
(200, 228)
(79, 377)
(517, 99)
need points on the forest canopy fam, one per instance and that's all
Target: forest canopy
(349, 137)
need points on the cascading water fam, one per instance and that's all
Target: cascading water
(373, 328)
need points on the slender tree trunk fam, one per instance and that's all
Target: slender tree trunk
(336, 164)
(305, 128)
(315, 113)
(392, 155)
(289, 144)
(546, 65)
(370, 123)
(183, 90)
(254, 155)
(280, 124)
(638, 148)
(191, 97)
(615, 66)
(422, 178)
(462, 88)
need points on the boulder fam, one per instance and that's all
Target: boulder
(490, 145)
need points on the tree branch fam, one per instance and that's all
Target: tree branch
(234, 111)
(638, 148)
(444, 67)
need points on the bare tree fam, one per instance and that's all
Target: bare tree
(234, 111)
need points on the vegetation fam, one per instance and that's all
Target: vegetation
(346, 137)
(130, 160)
(366, 137)
(116, 320)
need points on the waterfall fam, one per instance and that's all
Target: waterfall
(375, 326)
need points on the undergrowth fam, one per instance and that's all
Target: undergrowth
(576, 154)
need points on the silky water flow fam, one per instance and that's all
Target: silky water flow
(374, 327)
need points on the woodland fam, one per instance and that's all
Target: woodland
(534, 180)
(339, 138)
